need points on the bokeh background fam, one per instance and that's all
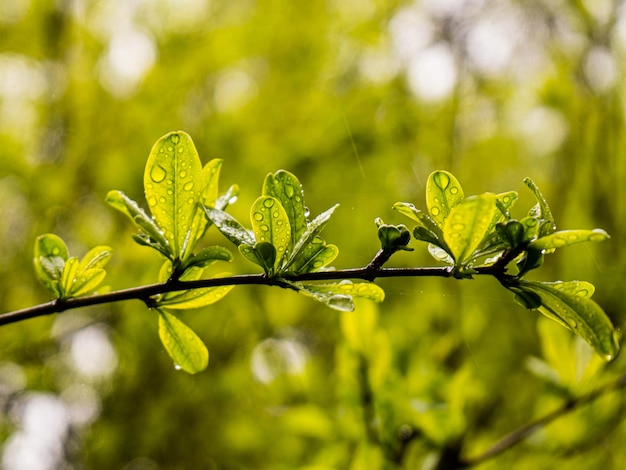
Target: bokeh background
(361, 99)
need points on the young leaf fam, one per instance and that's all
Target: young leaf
(271, 224)
(152, 235)
(314, 256)
(184, 347)
(208, 256)
(229, 226)
(443, 192)
(339, 295)
(87, 281)
(302, 252)
(568, 237)
(569, 304)
(95, 258)
(193, 298)
(467, 224)
(542, 210)
(285, 187)
(68, 277)
(49, 260)
(173, 184)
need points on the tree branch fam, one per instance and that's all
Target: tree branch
(145, 293)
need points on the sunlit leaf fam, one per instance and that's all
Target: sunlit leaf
(568, 237)
(270, 224)
(339, 295)
(569, 304)
(97, 257)
(87, 281)
(443, 192)
(68, 277)
(49, 260)
(467, 224)
(184, 347)
(173, 184)
(285, 187)
(315, 256)
(505, 201)
(195, 298)
(229, 227)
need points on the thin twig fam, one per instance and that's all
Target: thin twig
(526, 431)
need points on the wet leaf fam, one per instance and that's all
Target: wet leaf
(195, 298)
(152, 235)
(568, 237)
(542, 210)
(184, 347)
(316, 255)
(443, 192)
(339, 295)
(208, 256)
(569, 304)
(285, 187)
(68, 277)
(271, 224)
(229, 227)
(427, 229)
(49, 261)
(97, 257)
(467, 224)
(308, 245)
(173, 185)
(87, 281)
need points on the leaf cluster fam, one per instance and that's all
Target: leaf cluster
(477, 234)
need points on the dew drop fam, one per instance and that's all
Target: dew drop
(258, 216)
(175, 138)
(177, 367)
(268, 202)
(442, 180)
(188, 186)
(458, 226)
(264, 227)
(170, 148)
(162, 200)
(152, 201)
(191, 200)
(158, 173)
(55, 251)
(435, 211)
(454, 190)
(275, 214)
(341, 302)
(289, 190)
(572, 323)
(182, 173)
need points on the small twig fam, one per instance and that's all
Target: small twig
(526, 431)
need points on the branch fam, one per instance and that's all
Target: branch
(145, 293)
(526, 431)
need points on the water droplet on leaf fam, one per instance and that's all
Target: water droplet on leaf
(158, 173)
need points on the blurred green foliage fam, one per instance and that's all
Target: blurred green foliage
(361, 99)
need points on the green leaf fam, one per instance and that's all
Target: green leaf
(542, 210)
(195, 298)
(229, 227)
(95, 258)
(443, 192)
(427, 225)
(285, 187)
(504, 202)
(339, 295)
(208, 256)
(87, 281)
(174, 184)
(271, 224)
(316, 255)
(569, 304)
(264, 253)
(49, 261)
(308, 245)
(68, 277)
(568, 237)
(467, 224)
(152, 235)
(184, 347)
